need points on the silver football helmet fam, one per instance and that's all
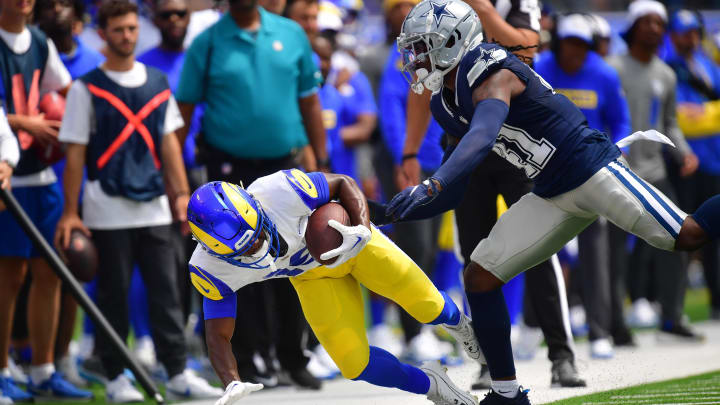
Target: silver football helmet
(433, 40)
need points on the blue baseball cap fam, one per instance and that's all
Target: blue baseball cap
(684, 21)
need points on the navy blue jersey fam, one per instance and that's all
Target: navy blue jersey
(544, 134)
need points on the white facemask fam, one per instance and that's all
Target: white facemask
(267, 262)
(432, 81)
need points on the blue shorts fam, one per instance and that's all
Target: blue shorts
(44, 205)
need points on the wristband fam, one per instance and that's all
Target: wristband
(409, 156)
(323, 162)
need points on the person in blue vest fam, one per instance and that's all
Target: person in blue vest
(698, 83)
(120, 124)
(62, 22)
(29, 67)
(171, 17)
(577, 72)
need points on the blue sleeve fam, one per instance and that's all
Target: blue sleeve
(615, 111)
(321, 184)
(364, 100)
(225, 308)
(392, 97)
(312, 188)
(476, 144)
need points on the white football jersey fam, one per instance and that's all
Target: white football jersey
(288, 198)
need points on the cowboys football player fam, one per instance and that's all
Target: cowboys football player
(489, 101)
(248, 236)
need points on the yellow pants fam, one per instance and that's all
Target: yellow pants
(334, 308)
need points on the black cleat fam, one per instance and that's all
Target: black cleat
(303, 379)
(483, 381)
(679, 333)
(493, 398)
(564, 374)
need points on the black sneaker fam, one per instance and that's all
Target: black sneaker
(623, 338)
(493, 398)
(302, 378)
(564, 374)
(483, 381)
(269, 380)
(679, 333)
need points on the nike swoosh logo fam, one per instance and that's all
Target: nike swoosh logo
(504, 392)
(356, 242)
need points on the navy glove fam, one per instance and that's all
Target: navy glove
(412, 198)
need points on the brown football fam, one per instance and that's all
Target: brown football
(82, 256)
(321, 237)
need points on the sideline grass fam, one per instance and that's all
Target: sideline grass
(698, 389)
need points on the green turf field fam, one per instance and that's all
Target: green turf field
(699, 389)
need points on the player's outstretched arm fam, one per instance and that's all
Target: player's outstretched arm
(492, 104)
(218, 332)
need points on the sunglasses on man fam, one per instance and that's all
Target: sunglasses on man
(166, 15)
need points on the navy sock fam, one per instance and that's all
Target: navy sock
(450, 313)
(385, 370)
(708, 216)
(491, 323)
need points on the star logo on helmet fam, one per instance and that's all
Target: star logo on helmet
(439, 11)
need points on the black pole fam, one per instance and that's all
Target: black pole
(78, 292)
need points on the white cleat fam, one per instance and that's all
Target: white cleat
(465, 335)
(67, 366)
(5, 400)
(442, 390)
(642, 315)
(16, 373)
(527, 342)
(145, 352)
(383, 337)
(427, 347)
(187, 385)
(121, 391)
(601, 349)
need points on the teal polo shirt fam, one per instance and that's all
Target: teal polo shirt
(250, 83)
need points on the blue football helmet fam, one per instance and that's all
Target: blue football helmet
(226, 220)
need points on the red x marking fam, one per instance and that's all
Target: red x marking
(26, 104)
(135, 122)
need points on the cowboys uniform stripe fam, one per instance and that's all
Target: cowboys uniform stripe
(669, 206)
(564, 309)
(648, 201)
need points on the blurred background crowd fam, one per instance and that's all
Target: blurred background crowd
(235, 91)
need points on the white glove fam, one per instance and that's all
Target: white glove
(236, 390)
(354, 240)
